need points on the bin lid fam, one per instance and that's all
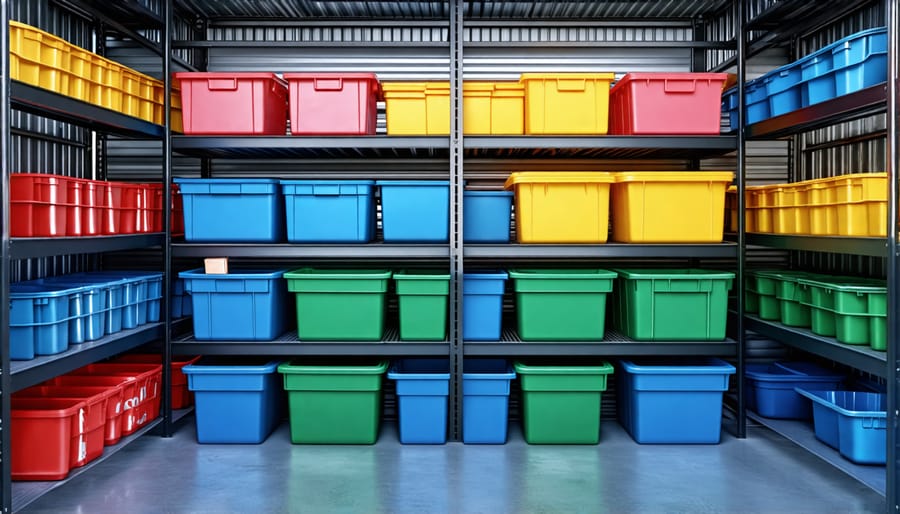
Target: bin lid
(561, 177)
(674, 176)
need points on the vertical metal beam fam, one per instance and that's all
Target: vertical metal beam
(456, 216)
(167, 218)
(5, 168)
(741, 36)
(892, 162)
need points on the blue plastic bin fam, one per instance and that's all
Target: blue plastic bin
(783, 88)
(88, 310)
(772, 387)
(415, 211)
(141, 297)
(818, 80)
(860, 60)
(853, 422)
(483, 305)
(235, 402)
(422, 389)
(668, 400)
(247, 305)
(232, 210)
(757, 103)
(486, 216)
(329, 211)
(39, 319)
(181, 304)
(486, 400)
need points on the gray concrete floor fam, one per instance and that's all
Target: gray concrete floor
(763, 473)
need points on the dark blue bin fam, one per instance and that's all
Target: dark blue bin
(39, 319)
(415, 211)
(860, 60)
(329, 211)
(486, 400)
(486, 216)
(235, 402)
(853, 422)
(483, 305)
(232, 210)
(772, 387)
(422, 389)
(247, 305)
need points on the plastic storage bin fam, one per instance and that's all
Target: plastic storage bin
(853, 310)
(422, 389)
(668, 400)
(672, 304)
(245, 305)
(334, 402)
(233, 103)
(566, 103)
(561, 305)
(817, 78)
(332, 103)
(88, 309)
(329, 211)
(241, 210)
(667, 103)
(772, 387)
(125, 391)
(142, 402)
(860, 60)
(487, 216)
(181, 302)
(181, 395)
(561, 401)
(39, 318)
(416, 211)
(483, 305)
(43, 433)
(38, 58)
(486, 400)
(236, 401)
(849, 205)
(755, 97)
(422, 297)
(783, 87)
(669, 207)
(789, 295)
(558, 207)
(339, 304)
(853, 422)
(493, 108)
(39, 205)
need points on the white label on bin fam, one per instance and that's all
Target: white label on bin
(142, 420)
(82, 448)
(80, 421)
(143, 392)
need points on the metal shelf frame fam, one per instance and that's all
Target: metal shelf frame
(869, 246)
(614, 344)
(27, 248)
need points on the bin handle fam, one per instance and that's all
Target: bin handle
(570, 84)
(679, 86)
(221, 84)
(331, 84)
(326, 190)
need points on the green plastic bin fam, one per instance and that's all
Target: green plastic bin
(764, 288)
(751, 297)
(789, 295)
(561, 402)
(851, 309)
(673, 304)
(345, 305)
(561, 305)
(331, 403)
(422, 296)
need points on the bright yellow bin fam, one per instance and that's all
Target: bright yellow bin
(669, 207)
(567, 103)
(562, 207)
(731, 216)
(849, 205)
(423, 108)
(38, 58)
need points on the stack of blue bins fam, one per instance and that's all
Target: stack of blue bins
(852, 422)
(770, 387)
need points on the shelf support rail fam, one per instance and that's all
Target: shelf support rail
(5, 168)
(742, 16)
(168, 422)
(456, 218)
(892, 163)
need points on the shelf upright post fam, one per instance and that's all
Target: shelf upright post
(741, 36)
(892, 163)
(5, 377)
(167, 219)
(456, 217)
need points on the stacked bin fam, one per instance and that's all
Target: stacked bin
(852, 422)
(771, 387)
(851, 309)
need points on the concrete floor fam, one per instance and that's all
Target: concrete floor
(763, 473)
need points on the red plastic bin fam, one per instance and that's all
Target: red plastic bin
(143, 405)
(132, 209)
(333, 103)
(101, 404)
(667, 103)
(91, 207)
(219, 103)
(124, 387)
(39, 205)
(181, 396)
(43, 432)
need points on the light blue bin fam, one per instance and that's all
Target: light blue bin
(486, 400)
(39, 319)
(852, 422)
(329, 211)
(422, 389)
(232, 210)
(483, 305)
(860, 60)
(486, 216)
(415, 211)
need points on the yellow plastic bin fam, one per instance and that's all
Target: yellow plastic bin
(759, 200)
(417, 108)
(562, 207)
(38, 58)
(669, 207)
(822, 207)
(566, 103)
(861, 204)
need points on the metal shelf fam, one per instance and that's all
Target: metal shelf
(862, 103)
(644, 147)
(33, 247)
(860, 357)
(608, 250)
(870, 246)
(613, 344)
(46, 103)
(373, 250)
(23, 493)
(289, 344)
(31, 372)
(803, 434)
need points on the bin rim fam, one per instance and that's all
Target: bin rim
(337, 274)
(192, 75)
(293, 368)
(673, 176)
(849, 285)
(716, 366)
(813, 394)
(67, 407)
(475, 192)
(43, 290)
(486, 275)
(412, 183)
(558, 177)
(247, 274)
(197, 180)
(671, 274)
(420, 275)
(604, 75)
(759, 372)
(307, 182)
(560, 273)
(231, 369)
(526, 368)
(668, 75)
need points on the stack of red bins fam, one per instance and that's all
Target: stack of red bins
(45, 205)
(65, 422)
(226, 103)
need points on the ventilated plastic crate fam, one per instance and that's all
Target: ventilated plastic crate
(422, 389)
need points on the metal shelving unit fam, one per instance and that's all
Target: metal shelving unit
(869, 246)
(35, 247)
